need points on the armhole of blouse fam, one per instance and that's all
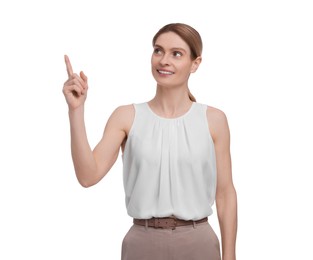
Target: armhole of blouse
(133, 123)
(207, 122)
(130, 130)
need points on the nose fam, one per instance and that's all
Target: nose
(164, 60)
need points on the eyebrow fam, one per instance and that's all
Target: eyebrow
(172, 49)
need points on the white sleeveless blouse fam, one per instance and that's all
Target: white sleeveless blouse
(169, 165)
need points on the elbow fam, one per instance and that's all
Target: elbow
(88, 179)
(226, 197)
(85, 184)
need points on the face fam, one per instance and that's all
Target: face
(171, 60)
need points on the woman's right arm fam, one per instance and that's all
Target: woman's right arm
(91, 165)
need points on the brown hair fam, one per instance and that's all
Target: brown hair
(189, 35)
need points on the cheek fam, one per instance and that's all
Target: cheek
(184, 69)
(153, 70)
(154, 61)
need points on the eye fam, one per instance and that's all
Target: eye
(157, 51)
(177, 54)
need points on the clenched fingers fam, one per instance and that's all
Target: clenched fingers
(73, 89)
(77, 81)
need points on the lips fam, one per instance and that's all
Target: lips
(165, 72)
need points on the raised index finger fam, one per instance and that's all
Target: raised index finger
(68, 66)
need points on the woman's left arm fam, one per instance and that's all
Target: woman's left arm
(226, 197)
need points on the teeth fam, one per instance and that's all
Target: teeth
(165, 72)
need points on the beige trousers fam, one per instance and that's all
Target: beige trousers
(197, 242)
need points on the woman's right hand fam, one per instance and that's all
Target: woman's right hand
(75, 88)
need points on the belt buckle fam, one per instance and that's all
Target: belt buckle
(174, 219)
(165, 223)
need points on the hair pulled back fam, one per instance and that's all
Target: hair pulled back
(189, 35)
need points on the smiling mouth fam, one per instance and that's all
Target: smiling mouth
(163, 72)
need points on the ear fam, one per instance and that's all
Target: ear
(195, 64)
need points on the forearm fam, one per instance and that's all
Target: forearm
(83, 159)
(227, 215)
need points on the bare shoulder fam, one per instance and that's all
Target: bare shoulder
(217, 121)
(124, 110)
(123, 115)
(216, 114)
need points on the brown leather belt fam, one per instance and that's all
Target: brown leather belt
(167, 222)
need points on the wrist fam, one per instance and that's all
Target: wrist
(229, 257)
(76, 116)
(75, 111)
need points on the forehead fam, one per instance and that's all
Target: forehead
(171, 40)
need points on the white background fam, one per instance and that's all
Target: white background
(257, 68)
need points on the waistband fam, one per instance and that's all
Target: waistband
(167, 222)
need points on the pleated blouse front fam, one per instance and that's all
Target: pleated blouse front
(169, 165)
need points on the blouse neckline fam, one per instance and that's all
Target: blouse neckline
(170, 118)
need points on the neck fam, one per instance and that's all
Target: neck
(170, 102)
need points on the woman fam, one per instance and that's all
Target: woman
(176, 157)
